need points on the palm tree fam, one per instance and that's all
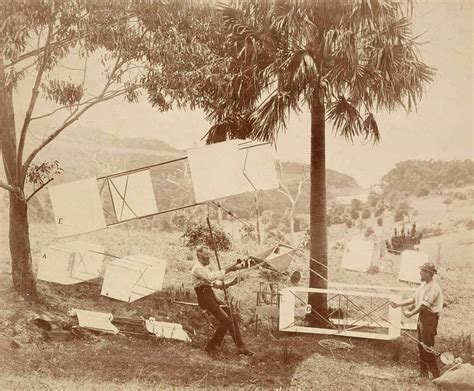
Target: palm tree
(341, 60)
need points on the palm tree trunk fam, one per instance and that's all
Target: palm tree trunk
(318, 228)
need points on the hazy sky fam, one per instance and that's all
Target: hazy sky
(440, 129)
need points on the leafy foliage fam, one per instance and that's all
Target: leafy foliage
(197, 232)
(39, 174)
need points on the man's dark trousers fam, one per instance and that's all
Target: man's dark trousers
(208, 301)
(427, 328)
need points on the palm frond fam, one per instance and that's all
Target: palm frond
(345, 118)
(270, 117)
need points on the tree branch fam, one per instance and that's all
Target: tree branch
(286, 192)
(68, 122)
(38, 189)
(62, 42)
(6, 186)
(35, 92)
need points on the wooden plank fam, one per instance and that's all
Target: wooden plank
(342, 333)
(375, 287)
(340, 292)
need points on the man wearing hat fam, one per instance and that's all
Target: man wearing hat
(427, 303)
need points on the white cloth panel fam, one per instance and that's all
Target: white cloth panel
(281, 257)
(259, 167)
(166, 330)
(93, 320)
(55, 265)
(217, 170)
(133, 277)
(410, 265)
(77, 207)
(70, 263)
(358, 255)
(88, 260)
(137, 191)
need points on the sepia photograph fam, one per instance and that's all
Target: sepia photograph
(236, 194)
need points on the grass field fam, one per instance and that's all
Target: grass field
(282, 360)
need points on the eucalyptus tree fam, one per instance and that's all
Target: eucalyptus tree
(340, 60)
(110, 41)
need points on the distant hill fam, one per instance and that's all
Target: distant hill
(422, 177)
(88, 136)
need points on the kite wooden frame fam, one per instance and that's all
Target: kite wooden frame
(404, 323)
(287, 315)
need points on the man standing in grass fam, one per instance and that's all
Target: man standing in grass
(428, 303)
(203, 280)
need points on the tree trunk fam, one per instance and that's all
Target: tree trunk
(318, 227)
(24, 280)
(259, 237)
(291, 217)
(219, 215)
(22, 272)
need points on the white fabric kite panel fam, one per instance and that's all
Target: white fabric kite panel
(119, 280)
(358, 255)
(133, 277)
(152, 276)
(77, 207)
(88, 260)
(259, 167)
(133, 195)
(70, 263)
(166, 330)
(55, 265)
(410, 265)
(280, 259)
(217, 170)
(93, 320)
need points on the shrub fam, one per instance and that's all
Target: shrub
(369, 231)
(380, 221)
(378, 212)
(356, 204)
(197, 233)
(179, 220)
(248, 233)
(422, 190)
(431, 231)
(354, 214)
(365, 214)
(360, 223)
(301, 224)
(401, 211)
(470, 224)
(275, 235)
(266, 216)
(448, 201)
(398, 216)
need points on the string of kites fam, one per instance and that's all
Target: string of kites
(217, 171)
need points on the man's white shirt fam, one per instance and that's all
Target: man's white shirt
(203, 275)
